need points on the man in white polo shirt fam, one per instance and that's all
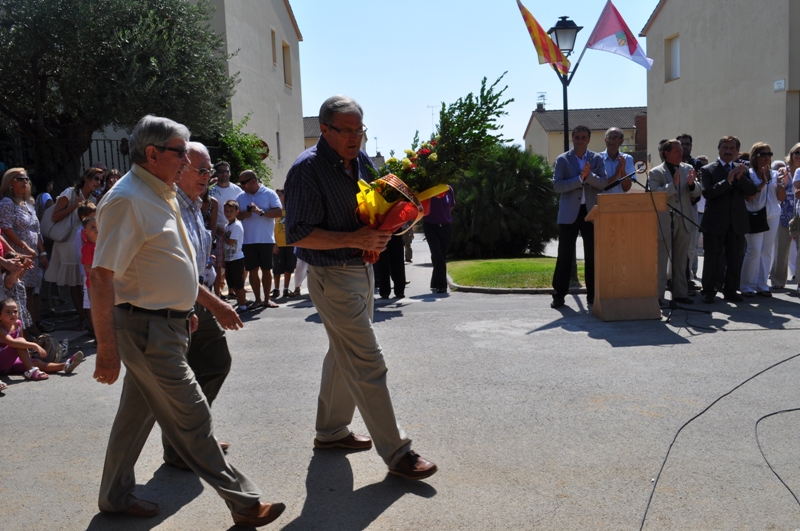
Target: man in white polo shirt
(258, 208)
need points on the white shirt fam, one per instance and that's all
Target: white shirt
(259, 229)
(234, 231)
(227, 193)
(767, 196)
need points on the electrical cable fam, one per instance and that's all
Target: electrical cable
(762, 450)
(669, 449)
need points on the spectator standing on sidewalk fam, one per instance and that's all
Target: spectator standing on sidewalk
(439, 232)
(258, 208)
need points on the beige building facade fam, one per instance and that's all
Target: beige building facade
(724, 67)
(544, 134)
(265, 38)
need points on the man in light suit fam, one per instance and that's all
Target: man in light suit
(726, 185)
(579, 175)
(677, 179)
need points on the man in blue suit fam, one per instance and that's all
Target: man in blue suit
(579, 175)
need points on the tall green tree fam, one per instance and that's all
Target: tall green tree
(468, 128)
(72, 67)
(505, 206)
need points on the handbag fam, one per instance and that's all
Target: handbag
(52, 348)
(758, 221)
(58, 231)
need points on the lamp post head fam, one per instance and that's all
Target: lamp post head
(564, 33)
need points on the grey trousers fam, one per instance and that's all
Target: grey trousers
(354, 371)
(160, 387)
(210, 361)
(780, 266)
(680, 286)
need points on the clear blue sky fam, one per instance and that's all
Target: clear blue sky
(397, 58)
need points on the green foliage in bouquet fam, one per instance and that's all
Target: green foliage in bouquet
(505, 206)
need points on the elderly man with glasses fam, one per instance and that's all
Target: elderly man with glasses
(321, 190)
(208, 355)
(147, 324)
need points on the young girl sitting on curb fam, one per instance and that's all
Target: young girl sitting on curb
(14, 357)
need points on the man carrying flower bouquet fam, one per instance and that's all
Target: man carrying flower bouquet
(321, 199)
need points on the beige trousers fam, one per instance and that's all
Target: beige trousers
(354, 371)
(160, 387)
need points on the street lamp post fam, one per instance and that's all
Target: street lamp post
(563, 34)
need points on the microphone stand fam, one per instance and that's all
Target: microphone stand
(621, 179)
(672, 304)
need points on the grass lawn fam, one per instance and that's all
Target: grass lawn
(506, 273)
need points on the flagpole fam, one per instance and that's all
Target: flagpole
(587, 41)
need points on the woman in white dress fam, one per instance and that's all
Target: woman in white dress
(760, 246)
(65, 267)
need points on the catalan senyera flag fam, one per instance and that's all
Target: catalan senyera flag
(545, 47)
(611, 34)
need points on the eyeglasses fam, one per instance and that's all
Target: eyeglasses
(202, 171)
(796, 153)
(358, 133)
(765, 154)
(243, 183)
(224, 171)
(97, 178)
(181, 151)
(22, 179)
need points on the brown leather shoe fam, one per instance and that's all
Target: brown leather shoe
(259, 514)
(142, 509)
(412, 466)
(351, 442)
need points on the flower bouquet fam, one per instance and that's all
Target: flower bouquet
(402, 193)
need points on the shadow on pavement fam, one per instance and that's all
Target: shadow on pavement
(171, 489)
(331, 502)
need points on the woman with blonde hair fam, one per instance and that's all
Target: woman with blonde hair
(65, 268)
(20, 227)
(783, 242)
(760, 245)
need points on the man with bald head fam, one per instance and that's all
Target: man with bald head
(618, 165)
(258, 208)
(208, 355)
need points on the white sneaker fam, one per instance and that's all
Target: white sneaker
(73, 362)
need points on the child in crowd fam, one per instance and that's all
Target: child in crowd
(14, 356)
(283, 260)
(234, 257)
(87, 209)
(89, 237)
(14, 288)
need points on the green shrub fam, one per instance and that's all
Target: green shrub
(505, 206)
(244, 151)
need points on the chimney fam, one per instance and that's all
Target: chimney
(540, 107)
(641, 131)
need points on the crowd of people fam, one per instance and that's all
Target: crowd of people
(178, 221)
(740, 212)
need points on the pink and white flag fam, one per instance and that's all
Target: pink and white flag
(611, 34)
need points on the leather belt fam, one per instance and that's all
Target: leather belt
(354, 263)
(168, 313)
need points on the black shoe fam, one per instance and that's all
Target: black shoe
(748, 294)
(558, 302)
(733, 297)
(766, 294)
(683, 300)
(708, 298)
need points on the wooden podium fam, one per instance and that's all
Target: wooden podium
(626, 255)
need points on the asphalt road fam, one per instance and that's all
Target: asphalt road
(538, 419)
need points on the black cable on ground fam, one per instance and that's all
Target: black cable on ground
(663, 464)
(762, 450)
